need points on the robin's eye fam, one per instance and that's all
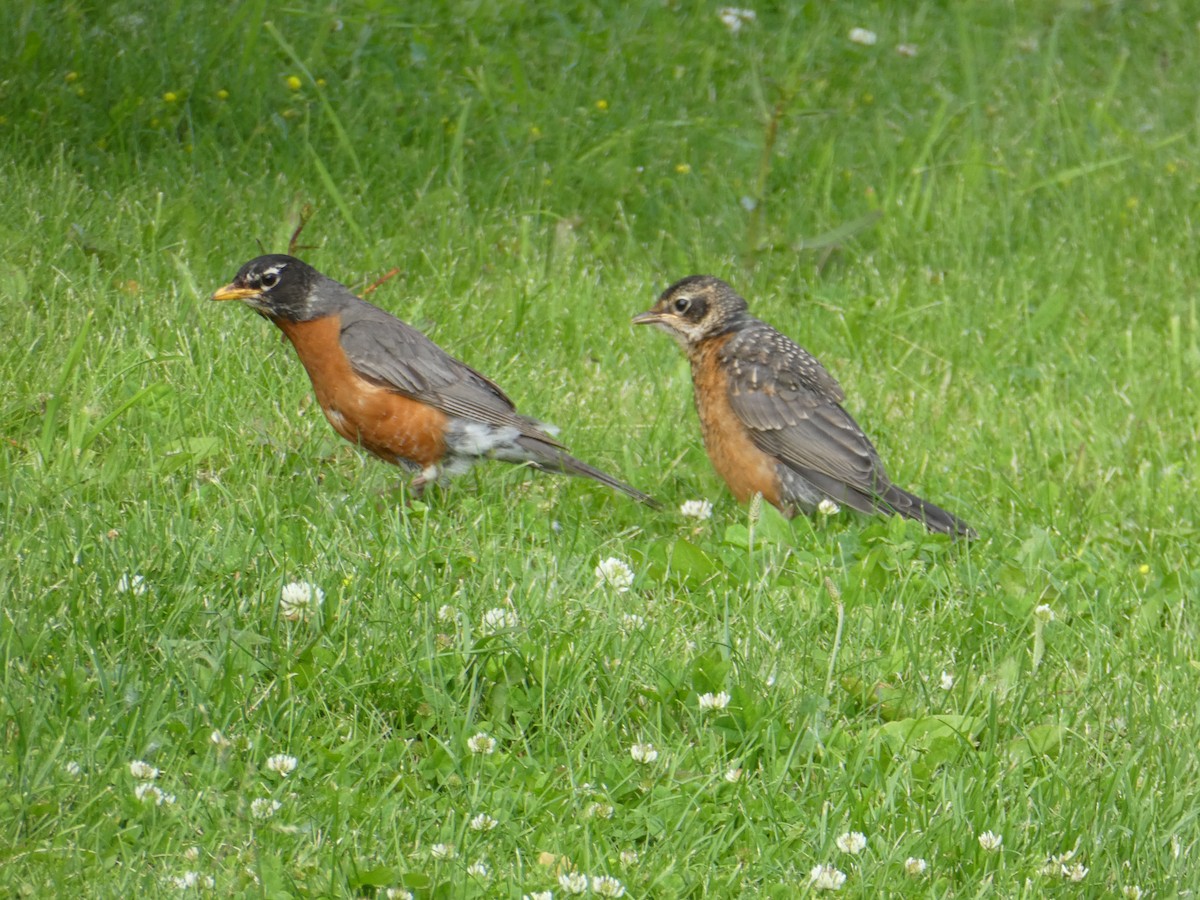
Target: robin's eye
(269, 279)
(681, 304)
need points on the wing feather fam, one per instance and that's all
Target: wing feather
(392, 353)
(792, 407)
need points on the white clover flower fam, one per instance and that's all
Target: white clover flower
(826, 878)
(219, 739)
(481, 743)
(131, 584)
(909, 50)
(447, 614)
(189, 880)
(539, 895)
(443, 851)
(643, 753)
(497, 619)
(1044, 613)
(629, 857)
(1059, 859)
(852, 842)
(947, 681)
(282, 764)
(599, 810)
(73, 768)
(990, 841)
(573, 882)
(915, 866)
(733, 776)
(1131, 892)
(1077, 872)
(479, 869)
(398, 893)
(712, 701)
(299, 601)
(143, 770)
(607, 886)
(696, 509)
(632, 622)
(148, 792)
(615, 574)
(186, 880)
(264, 807)
(482, 822)
(191, 854)
(863, 36)
(828, 508)
(733, 18)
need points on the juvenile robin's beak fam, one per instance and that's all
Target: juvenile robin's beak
(236, 292)
(649, 317)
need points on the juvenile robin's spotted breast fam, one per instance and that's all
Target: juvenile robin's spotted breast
(386, 387)
(772, 417)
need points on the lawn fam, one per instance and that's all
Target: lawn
(239, 659)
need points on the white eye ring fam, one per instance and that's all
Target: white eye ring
(269, 279)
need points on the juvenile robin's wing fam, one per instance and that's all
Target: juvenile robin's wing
(792, 408)
(392, 353)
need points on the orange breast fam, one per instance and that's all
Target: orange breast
(382, 422)
(745, 468)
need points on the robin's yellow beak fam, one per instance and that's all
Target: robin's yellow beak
(234, 292)
(649, 317)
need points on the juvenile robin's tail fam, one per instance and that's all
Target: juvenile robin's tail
(935, 518)
(548, 457)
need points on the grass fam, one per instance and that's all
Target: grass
(989, 244)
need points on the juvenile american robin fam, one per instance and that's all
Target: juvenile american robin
(386, 387)
(772, 417)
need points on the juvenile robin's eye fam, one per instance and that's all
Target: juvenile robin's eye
(681, 304)
(269, 279)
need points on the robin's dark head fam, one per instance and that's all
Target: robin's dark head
(278, 286)
(695, 308)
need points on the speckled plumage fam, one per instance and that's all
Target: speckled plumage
(762, 396)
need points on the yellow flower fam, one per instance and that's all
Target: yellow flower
(535, 132)
(170, 97)
(293, 83)
(1144, 569)
(602, 105)
(683, 168)
(71, 77)
(320, 82)
(222, 94)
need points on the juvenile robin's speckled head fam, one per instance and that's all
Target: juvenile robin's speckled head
(281, 287)
(694, 309)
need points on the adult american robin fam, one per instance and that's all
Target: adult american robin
(771, 415)
(385, 386)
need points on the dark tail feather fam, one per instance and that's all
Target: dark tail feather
(891, 499)
(555, 460)
(935, 518)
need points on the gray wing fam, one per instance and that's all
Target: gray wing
(792, 407)
(395, 355)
